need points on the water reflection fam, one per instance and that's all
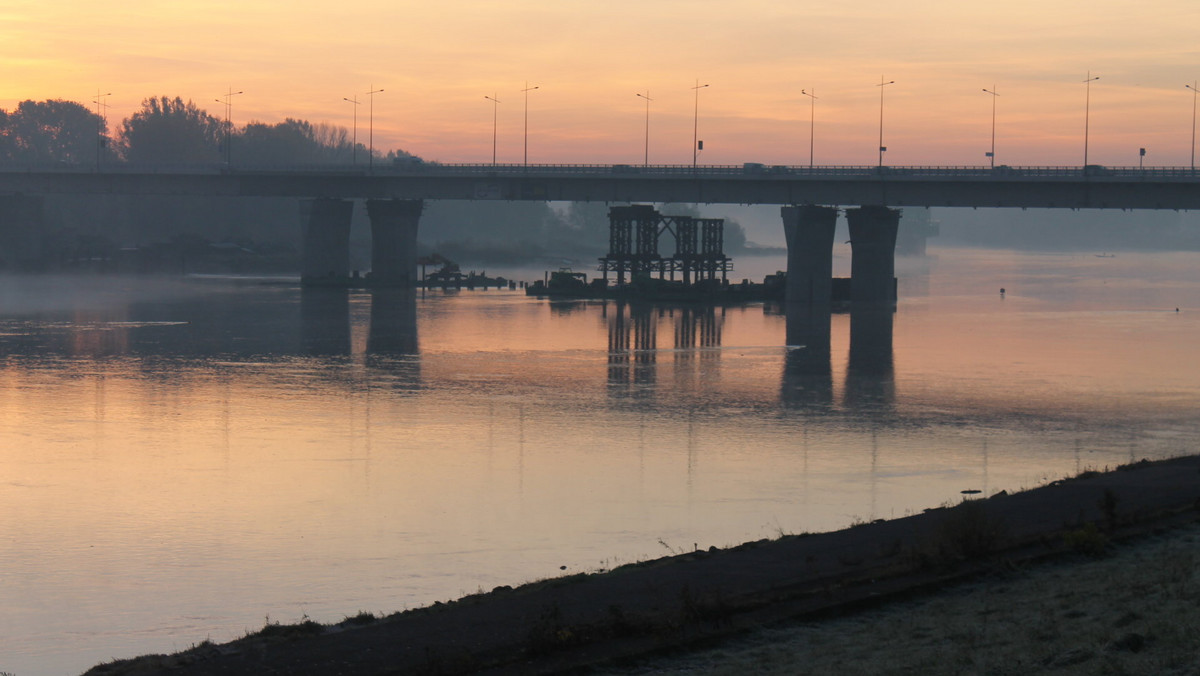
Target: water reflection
(807, 370)
(392, 344)
(393, 322)
(870, 372)
(325, 321)
(633, 345)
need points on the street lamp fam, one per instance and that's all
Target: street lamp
(812, 123)
(1193, 88)
(696, 123)
(646, 161)
(354, 134)
(526, 91)
(371, 128)
(881, 85)
(495, 107)
(100, 123)
(228, 129)
(1087, 111)
(992, 153)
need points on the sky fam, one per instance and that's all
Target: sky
(435, 63)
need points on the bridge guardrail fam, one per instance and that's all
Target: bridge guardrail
(750, 171)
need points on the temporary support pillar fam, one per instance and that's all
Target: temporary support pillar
(873, 255)
(326, 224)
(394, 241)
(809, 232)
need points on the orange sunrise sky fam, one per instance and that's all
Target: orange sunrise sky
(436, 61)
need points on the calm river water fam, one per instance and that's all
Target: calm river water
(182, 458)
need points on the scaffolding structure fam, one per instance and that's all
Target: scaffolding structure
(633, 237)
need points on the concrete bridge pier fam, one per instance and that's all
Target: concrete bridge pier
(394, 241)
(809, 233)
(873, 255)
(326, 252)
(21, 230)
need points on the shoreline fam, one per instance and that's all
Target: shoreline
(580, 621)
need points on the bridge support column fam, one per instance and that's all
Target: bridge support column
(326, 224)
(809, 232)
(873, 255)
(21, 232)
(394, 241)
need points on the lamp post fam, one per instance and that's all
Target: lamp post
(354, 134)
(1193, 88)
(696, 123)
(100, 104)
(228, 129)
(495, 108)
(992, 153)
(812, 123)
(1087, 111)
(526, 91)
(646, 160)
(371, 128)
(881, 85)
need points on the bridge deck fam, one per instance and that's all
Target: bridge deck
(948, 186)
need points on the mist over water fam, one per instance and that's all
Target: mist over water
(182, 457)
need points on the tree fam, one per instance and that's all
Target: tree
(169, 130)
(293, 142)
(52, 131)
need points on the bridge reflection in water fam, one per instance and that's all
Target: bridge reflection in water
(633, 344)
(808, 370)
(634, 353)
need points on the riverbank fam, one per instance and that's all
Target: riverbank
(1131, 611)
(581, 621)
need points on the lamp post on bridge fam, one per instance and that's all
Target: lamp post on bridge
(495, 110)
(1193, 88)
(354, 134)
(881, 85)
(696, 124)
(100, 117)
(526, 91)
(646, 160)
(1087, 109)
(228, 128)
(992, 153)
(812, 123)
(371, 128)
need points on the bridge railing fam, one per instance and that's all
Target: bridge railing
(748, 171)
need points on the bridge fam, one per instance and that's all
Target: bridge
(809, 197)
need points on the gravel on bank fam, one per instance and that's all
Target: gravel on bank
(1133, 609)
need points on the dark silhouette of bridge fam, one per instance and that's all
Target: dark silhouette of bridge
(810, 198)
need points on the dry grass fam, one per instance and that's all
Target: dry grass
(1135, 610)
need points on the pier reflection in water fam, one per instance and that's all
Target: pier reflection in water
(633, 349)
(870, 379)
(807, 367)
(870, 371)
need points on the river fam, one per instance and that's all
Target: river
(183, 458)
